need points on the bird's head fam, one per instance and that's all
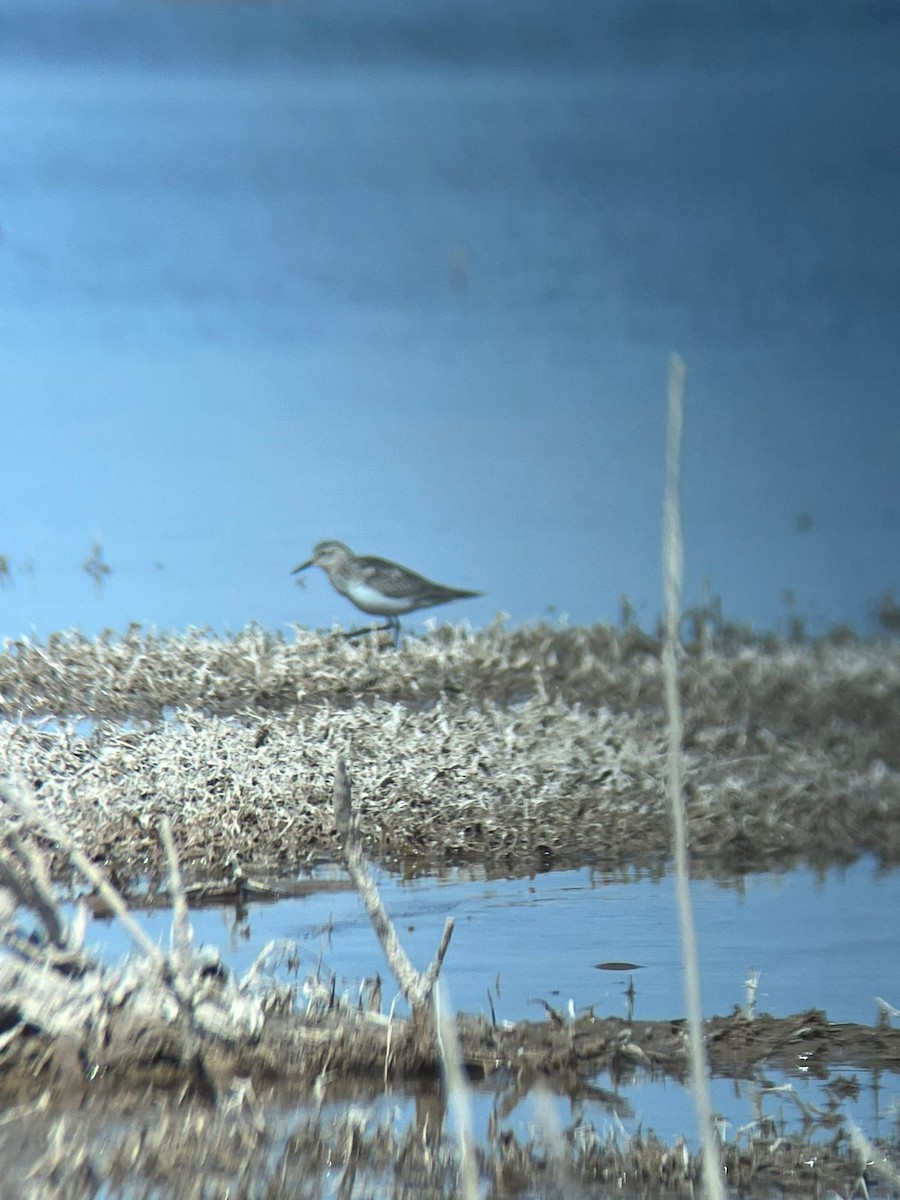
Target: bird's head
(326, 555)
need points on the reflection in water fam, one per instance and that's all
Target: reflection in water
(816, 939)
(809, 938)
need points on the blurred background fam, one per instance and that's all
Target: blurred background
(407, 273)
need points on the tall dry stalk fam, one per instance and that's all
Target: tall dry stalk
(672, 575)
(457, 1091)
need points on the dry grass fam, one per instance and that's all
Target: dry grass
(533, 746)
(449, 781)
(745, 686)
(167, 1076)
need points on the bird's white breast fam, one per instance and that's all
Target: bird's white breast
(372, 601)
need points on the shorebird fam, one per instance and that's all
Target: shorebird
(377, 585)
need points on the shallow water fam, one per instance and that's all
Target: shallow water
(818, 939)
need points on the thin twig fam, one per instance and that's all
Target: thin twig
(181, 922)
(343, 806)
(416, 987)
(15, 795)
(24, 872)
(672, 575)
(430, 975)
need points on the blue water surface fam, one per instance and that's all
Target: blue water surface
(409, 274)
(818, 939)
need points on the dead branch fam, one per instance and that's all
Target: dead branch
(415, 986)
(16, 796)
(181, 925)
(23, 871)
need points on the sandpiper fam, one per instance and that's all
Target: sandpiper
(377, 585)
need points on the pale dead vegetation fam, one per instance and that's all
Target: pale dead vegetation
(212, 758)
(520, 748)
(76, 1031)
(442, 783)
(179, 1011)
(167, 1076)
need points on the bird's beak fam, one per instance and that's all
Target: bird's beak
(302, 566)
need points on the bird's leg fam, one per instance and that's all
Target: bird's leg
(392, 627)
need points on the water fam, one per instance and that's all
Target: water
(818, 939)
(826, 940)
(409, 275)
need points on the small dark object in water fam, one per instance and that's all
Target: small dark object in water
(617, 966)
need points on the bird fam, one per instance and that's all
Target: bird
(377, 585)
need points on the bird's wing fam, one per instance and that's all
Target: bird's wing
(391, 579)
